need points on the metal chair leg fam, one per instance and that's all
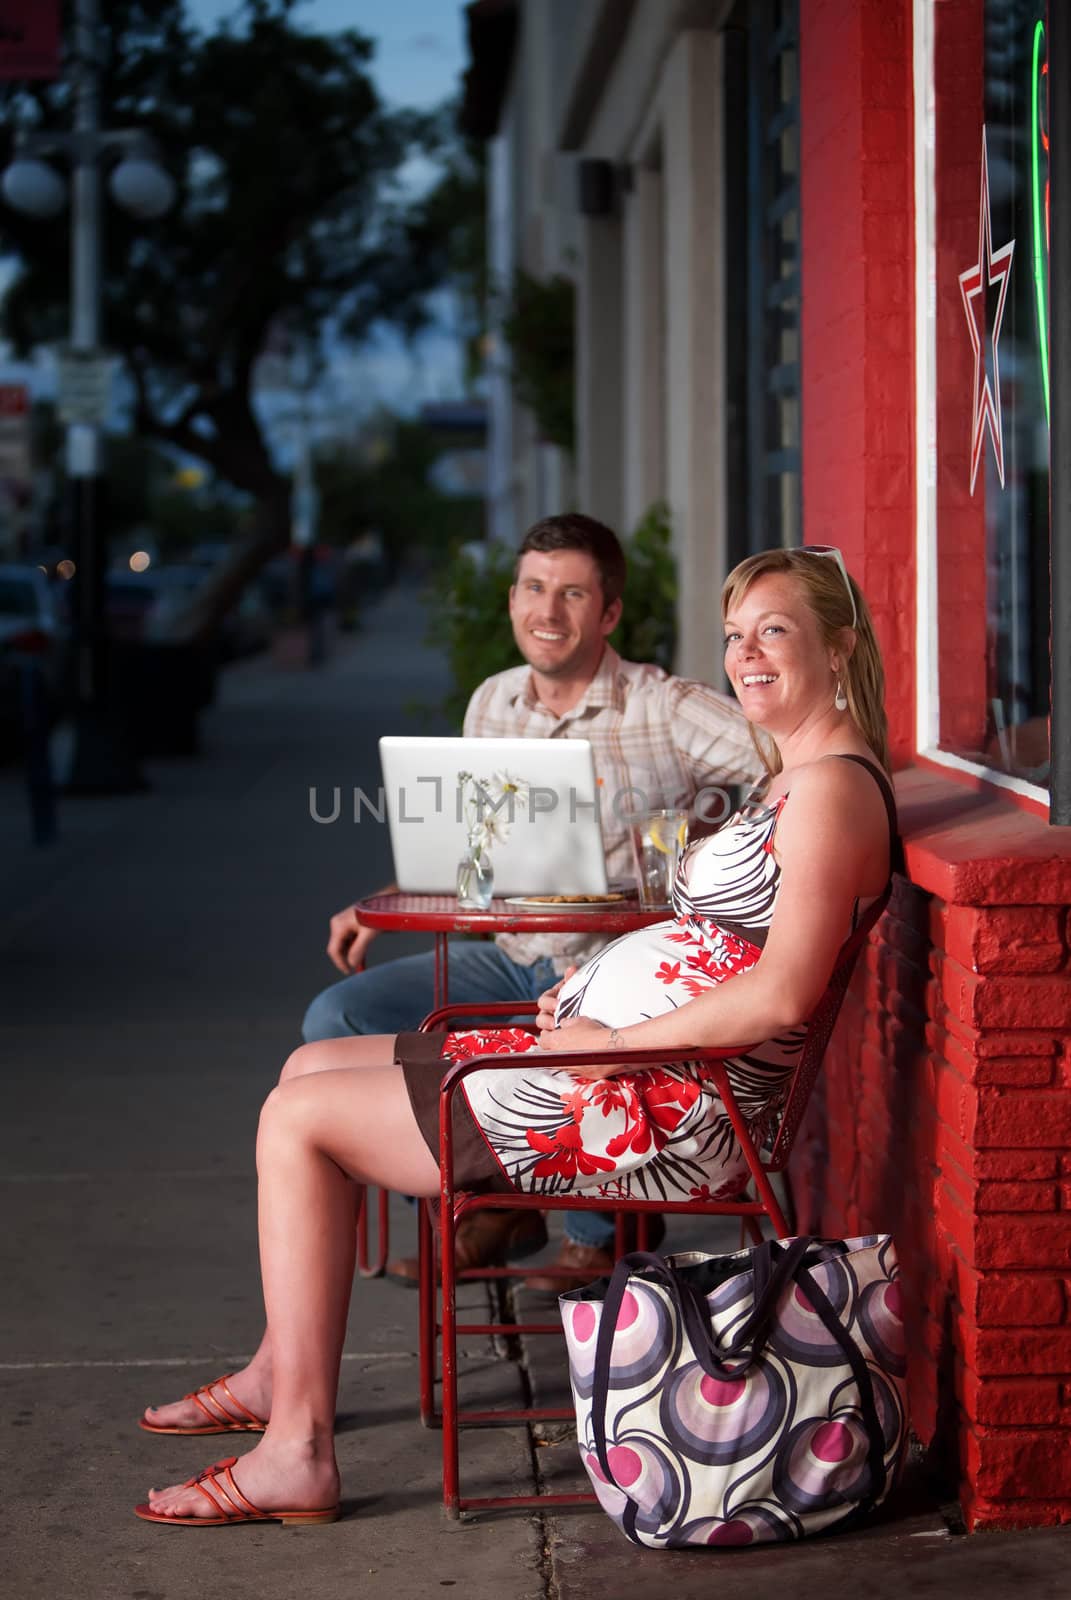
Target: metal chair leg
(364, 1267)
(426, 1315)
(750, 1230)
(451, 1485)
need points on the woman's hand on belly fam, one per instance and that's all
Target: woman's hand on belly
(548, 1002)
(584, 1033)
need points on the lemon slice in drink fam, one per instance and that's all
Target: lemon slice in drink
(665, 837)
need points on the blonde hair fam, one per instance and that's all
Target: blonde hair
(862, 675)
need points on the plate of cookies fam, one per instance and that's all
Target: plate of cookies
(614, 898)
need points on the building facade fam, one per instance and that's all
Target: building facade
(810, 246)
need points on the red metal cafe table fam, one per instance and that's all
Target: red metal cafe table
(440, 914)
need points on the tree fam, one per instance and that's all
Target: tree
(289, 224)
(539, 326)
(447, 230)
(389, 487)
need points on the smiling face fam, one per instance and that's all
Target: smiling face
(559, 619)
(783, 672)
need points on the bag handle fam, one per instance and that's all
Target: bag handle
(774, 1266)
(863, 1382)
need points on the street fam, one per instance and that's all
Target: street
(155, 965)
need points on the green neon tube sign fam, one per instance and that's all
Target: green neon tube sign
(1039, 145)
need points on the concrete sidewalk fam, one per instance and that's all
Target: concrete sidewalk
(155, 965)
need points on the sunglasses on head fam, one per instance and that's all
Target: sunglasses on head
(832, 551)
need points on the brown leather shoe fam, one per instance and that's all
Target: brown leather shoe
(580, 1263)
(483, 1239)
(574, 1263)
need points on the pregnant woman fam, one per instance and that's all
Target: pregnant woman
(762, 909)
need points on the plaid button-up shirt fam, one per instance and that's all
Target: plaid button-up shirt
(656, 741)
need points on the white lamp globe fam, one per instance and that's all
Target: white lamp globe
(142, 187)
(33, 187)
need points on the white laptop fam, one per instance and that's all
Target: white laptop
(553, 844)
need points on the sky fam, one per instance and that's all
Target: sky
(420, 55)
(420, 43)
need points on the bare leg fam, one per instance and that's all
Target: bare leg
(252, 1384)
(318, 1133)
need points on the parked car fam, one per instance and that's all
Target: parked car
(129, 600)
(210, 554)
(248, 625)
(31, 634)
(160, 678)
(155, 605)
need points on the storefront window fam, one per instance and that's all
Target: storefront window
(991, 218)
(763, 283)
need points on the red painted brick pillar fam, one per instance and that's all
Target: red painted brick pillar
(857, 308)
(943, 1116)
(1002, 1009)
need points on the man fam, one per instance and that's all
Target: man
(666, 737)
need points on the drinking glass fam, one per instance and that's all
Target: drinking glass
(658, 837)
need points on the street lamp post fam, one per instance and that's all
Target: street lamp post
(100, 763)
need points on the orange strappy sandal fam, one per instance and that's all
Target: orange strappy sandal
(217, 1485)
(240, 1420)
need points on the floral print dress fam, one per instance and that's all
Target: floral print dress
(661, 1132)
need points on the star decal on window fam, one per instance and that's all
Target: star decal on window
(991, 270)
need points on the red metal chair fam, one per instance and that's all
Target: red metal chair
(366, 1267)
(454, 1205)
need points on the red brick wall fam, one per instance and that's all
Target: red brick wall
(857, 308)
(943, 1116)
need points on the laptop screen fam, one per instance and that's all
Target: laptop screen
(553, 840)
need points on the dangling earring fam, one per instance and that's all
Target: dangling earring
(841, 701)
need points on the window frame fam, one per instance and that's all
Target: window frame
(927, 610)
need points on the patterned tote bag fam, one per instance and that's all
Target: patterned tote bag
(730, 1399)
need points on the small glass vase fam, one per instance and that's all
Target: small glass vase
(475, 881)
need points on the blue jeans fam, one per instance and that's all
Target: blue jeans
(396, 995)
